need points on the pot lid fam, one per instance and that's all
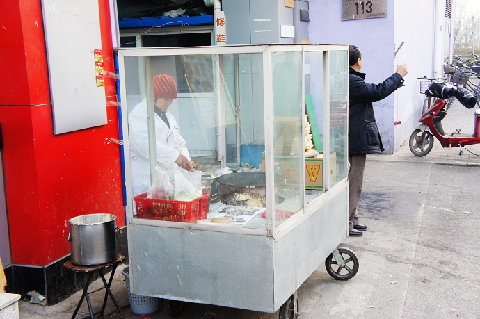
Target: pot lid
(92, 219)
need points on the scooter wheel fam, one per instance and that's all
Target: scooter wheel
(421, 142)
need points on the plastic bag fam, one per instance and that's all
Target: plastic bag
(163, 188)
(188, 185)
(174, 13)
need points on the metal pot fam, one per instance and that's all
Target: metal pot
(93, 239)
(249, 185)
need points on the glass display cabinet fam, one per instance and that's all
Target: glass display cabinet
(265, 128)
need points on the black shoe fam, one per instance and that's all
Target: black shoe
(354, 233)
(360, 227)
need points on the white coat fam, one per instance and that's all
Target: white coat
(169, 144)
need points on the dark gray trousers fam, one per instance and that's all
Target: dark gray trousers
(355, 178)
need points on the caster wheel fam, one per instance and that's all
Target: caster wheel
(287, 310)
(174, 308)
(345, 272)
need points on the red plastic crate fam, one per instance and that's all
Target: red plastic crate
(164, 209)
(204, 206)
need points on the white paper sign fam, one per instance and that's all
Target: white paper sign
(72, 33)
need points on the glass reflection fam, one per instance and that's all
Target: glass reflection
(206, 112)
(288, 134)
(314, 95)
(338, 116)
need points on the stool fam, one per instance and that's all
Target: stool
(86, 277)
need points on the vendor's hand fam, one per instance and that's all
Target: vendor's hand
(184, 163)
(402, 70)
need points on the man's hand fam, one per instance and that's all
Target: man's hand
(402, 70)
(183, 162)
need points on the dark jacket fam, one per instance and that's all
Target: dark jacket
(363, 136)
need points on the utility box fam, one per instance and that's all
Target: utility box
(266, 21)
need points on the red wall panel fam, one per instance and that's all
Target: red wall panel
(13, 82)
(78, 174)
(34, 46)
(20, 171)
(50, 179)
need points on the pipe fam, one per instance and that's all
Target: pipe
(217, 7)
(217, 4)
(452, 33)
(120, 135)
(473, 33)
(439, 30)
(237, 107)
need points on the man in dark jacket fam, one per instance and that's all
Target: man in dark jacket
(363, 136)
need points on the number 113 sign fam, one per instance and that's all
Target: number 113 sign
(364, 9)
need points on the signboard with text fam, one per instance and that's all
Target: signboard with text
(363, 9)
(220, 28)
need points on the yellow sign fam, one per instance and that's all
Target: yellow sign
(313, 172)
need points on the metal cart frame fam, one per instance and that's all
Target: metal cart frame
(255, 269)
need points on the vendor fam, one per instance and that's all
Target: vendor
(171, 147)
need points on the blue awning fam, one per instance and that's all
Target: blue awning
(148, 22)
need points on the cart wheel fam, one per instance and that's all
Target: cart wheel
(349, 270)
(287, 310)
(174, 308)
(421, 143)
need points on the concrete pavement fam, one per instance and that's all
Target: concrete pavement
(418, 259)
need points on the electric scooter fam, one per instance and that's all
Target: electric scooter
(421, 140)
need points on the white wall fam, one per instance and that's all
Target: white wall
(414, 28)
(408, 21)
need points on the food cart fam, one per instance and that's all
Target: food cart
(267, 126)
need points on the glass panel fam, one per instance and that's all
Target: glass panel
(128, 41)
(138, 124)
(288, 133)
(214, 120)
(338, 116)
(314, 65)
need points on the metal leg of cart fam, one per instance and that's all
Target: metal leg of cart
(289, 310)
(342, 264)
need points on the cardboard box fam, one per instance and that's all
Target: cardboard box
(314, 171)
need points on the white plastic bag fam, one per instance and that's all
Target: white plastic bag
(162, 189)
(188, 185)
